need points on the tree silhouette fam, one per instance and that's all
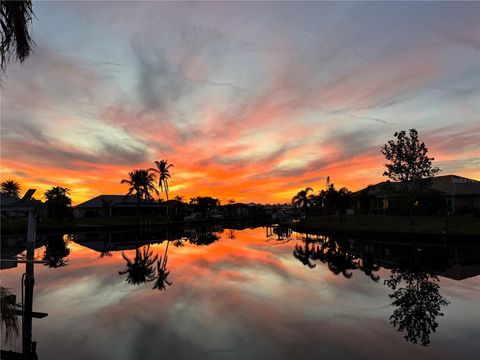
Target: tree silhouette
(408, 163)
(15, 18)
(302, 200)
(408, 159)
(163, 174)
(141, 184)
(58, 202)
(140, 269)
(8, 315)
(418, 303)
(11, 188)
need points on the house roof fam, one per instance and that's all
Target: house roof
(456, 185)
(448, 184)
(98, 201)
(8, 200)
(27, 200)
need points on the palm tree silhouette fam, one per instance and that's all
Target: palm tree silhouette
(141, 184)
(161, 281)
(16, 16)
(11, 188)
(302, 200)
(58, 201)
(140, 269)
(163, 174)
(9, 318)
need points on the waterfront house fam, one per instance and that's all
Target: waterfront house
(457, 194)
(117, 205)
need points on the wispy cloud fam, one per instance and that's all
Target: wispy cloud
(249, 101)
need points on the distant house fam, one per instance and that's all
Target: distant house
(243, 211)
(117, 205)
(459, 194)
(11, 206)
(280, 213)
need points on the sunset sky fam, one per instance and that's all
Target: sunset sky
(250, 101)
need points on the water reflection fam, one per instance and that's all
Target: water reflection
(202, 236)
(245, 271)
(418, 303)
(416, 296)
(161, 282)
(141, 268)
(11, 311)
(56, 250)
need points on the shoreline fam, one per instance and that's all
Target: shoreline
(375, 228)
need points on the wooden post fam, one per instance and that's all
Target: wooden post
(29, 284)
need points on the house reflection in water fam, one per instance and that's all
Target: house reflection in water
(415, 268)
(410, 271)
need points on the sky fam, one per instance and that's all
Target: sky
(250, 101)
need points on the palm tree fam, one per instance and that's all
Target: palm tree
(15, 18)
(302, 200)
(8, 313)
(11, 188)
(141, 184)
(140, 269)
(163, 174)
(58, 202)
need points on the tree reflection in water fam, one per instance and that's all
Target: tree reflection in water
(418, 303)
(202, 237)
(368, 267)
(161, 280)
(415, 296)
(56, 250)
(141, 269)
(305, 254)
(328, 251)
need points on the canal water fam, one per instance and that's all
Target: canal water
(256, 293)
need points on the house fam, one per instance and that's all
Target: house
(15, 207)
(458, 193)
(117, 205)
(462, 194)
(243, 211)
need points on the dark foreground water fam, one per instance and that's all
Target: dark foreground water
(249, 294)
